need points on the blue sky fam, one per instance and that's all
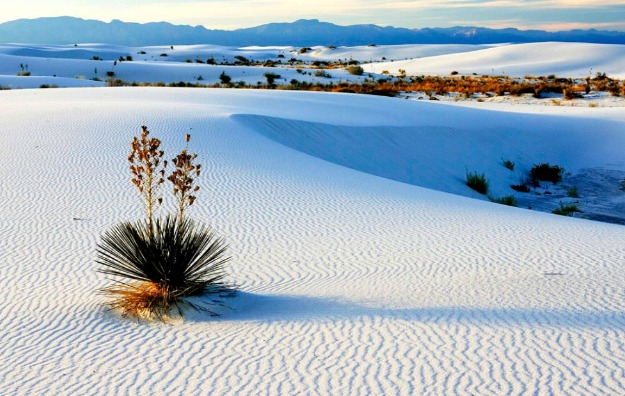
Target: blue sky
(232, 14)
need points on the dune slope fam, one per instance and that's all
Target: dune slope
(350, 283)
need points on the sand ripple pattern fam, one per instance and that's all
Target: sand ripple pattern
(351, 284)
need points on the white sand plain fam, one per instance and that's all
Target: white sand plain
(350, 283)
(353, 280)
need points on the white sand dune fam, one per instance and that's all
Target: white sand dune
(70, 66)
(573, 60)
(350, 283)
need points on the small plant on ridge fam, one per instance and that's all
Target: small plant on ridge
(477, 182)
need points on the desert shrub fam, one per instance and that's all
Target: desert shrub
(509, 200)
(355, 70)
(320, 63)
(160, 266)
(565, 209)
(115, 82)
(241, 60)
(546, 172)
(271, 78)
(477, 182)
(508, 164)
(224, 78)
(23, 73)
(572, 192)
(110, 73)
(520, 187)
(158, 263)
(322, 73)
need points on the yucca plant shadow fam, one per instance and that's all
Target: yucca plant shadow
(156, 269)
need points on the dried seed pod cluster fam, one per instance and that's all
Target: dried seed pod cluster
(148, 169)
(183, 178)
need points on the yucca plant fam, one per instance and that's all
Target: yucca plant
(159, 268)
(157, 263)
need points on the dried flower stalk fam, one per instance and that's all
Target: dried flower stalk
(182, 178)
(147, 169)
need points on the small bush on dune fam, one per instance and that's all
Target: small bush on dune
(477, 182)
(162, 261)
(508, 164)
(565, 209)
(322, 73)
(355, 70)
(224, 78)
(161, 265)
(520, 187)
(509, 200)
(572, 192)
(546, 172)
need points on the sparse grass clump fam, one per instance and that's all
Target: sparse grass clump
(508, 164)
(508, 200)
(477, 182)
(565, 209)
(322, 73)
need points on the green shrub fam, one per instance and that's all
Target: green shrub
(520, 187)
(477, 182)
(509, 200)
(356, 70)
(224, 78)
(565, 209)
(271, 78)
(546, 172)
(322, 73)
(508, 164)
(572, 192)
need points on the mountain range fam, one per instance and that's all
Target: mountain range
(304, 32)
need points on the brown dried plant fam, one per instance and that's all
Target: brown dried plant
(147, 169)
(183, 178)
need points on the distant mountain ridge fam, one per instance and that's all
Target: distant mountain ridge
(303, 32)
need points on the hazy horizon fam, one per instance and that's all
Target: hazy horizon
(549, 15)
